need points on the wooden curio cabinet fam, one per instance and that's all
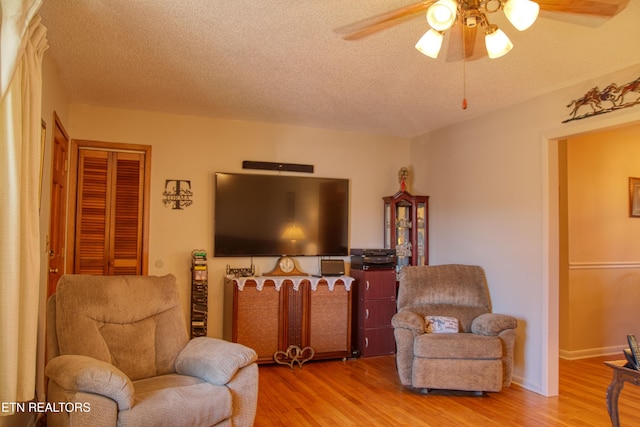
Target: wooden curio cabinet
(406, 228)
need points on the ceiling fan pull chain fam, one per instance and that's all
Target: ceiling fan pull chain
(464, 82)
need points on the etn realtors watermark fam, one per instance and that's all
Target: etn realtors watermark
(15, 407)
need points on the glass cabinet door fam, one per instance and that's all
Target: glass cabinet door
(406, 228)
(421, 233)
(387, 225)
(404, 245)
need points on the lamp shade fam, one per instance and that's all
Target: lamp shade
(497, 42)
(521, 13)
(292, 233)
(442, 14)
(430, 43)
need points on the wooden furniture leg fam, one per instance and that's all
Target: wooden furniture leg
(620, 374)
(613, 392)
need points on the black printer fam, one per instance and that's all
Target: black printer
(373, 259)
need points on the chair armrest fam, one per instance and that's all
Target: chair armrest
(492, 324)
(409, 320)
(86, 374)
(215, 361)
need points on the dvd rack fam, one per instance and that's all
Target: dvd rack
(199, 293)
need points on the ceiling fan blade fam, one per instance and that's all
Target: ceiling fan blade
(383, 21)
(606, 8)
(470, 41)
(464, 44)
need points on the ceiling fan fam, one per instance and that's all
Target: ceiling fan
(462, 18)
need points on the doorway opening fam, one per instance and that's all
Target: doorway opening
(552, 239)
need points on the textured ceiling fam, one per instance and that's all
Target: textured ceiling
(280, 61)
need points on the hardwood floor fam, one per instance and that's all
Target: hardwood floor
(366, 392)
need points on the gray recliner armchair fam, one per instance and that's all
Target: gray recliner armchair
(477, 356)
(118, 349)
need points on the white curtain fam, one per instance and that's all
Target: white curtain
(23, 44)
(15, 16)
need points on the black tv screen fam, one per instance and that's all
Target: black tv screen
(273, 215)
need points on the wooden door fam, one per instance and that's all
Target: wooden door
(92, 238)
(255, 318)
(330, 321)
(111, 210)
(58, 210)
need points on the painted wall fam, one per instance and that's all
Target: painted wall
(194, 148)
(603, 267)
(493, 186)
(54, 99)
(492, 181)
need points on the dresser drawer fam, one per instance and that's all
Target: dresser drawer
(378, 313)
(377, 285)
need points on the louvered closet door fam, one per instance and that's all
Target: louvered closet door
(109, 212)
(126, 213)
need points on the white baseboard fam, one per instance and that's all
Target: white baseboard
(591, 352)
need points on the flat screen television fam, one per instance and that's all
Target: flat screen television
(273, 215)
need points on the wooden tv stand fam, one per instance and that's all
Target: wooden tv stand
(273, 314)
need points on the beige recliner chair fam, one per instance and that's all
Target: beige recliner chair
(478, 357)
(118, 349)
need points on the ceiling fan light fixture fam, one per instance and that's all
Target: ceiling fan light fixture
(430, 43)
(442, 14)
(521, 13)
(497, 42)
